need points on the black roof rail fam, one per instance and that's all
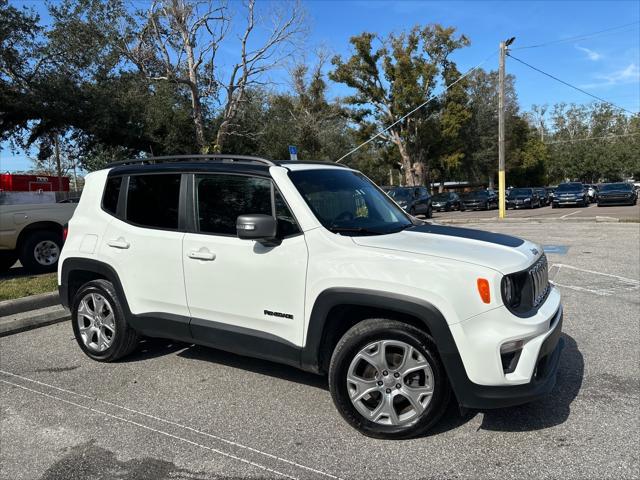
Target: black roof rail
(219, 157)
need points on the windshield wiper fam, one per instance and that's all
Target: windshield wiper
(336, 229)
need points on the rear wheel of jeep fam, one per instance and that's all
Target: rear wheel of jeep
(99, 322)
(387, 380)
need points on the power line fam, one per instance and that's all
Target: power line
(584, 36)
(592, 138)
(467, 73)
(570, 85)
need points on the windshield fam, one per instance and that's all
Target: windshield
(400, 193)
(347, 202)
(615, 186)
(570, 187)
(442, 197)
(478, 194)
(520, 192)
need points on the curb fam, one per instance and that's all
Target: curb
(33, 302)
(32, 319)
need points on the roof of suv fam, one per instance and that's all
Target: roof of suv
(208, 163)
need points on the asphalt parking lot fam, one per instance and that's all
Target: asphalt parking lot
(622, 213)
(175, 411)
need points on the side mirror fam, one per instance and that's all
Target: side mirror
(263, 228)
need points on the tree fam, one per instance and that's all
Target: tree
(168, 48)
(392, 79)
(268, 122)
(481, 161)
(256, 59)
(592, 143)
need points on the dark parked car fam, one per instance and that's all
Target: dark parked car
(446, 201)
(415, 200)
(571, 193)
(543, 195)
(480, 200)
(522, 198)
(617, 194)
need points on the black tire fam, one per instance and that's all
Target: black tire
(125, 338)
(553, 205)
(412, 211)
(430, 212)
(372, 330)
(29, 257)
(7, 259)
(599, 204)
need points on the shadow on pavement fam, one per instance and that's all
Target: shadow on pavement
(15, 272)
(263, 367)
(149, 348)
(549, 411)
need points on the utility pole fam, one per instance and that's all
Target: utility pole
(56, 144)
(501, 178)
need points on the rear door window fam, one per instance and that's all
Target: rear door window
(153, 200)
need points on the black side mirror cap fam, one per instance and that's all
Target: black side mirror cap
(259, 227)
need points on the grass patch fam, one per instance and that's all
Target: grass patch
(11, 288)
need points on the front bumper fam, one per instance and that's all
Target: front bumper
(475, 368)
(475, 206)
(567, 201)
(615, 200)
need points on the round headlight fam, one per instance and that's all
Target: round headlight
(508, 290)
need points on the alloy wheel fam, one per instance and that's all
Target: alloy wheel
(96, 322)
(390, 382)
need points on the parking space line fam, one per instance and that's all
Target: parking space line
(624, 279)
(169, 422)
(94, 410)
(603, 293)
(569, 214)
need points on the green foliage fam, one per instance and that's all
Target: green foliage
(390, 79)
(592, 143)
(95, 81)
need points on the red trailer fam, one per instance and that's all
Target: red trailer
(10, 182)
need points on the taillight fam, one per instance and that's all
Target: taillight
(65, 232)
(484, 290)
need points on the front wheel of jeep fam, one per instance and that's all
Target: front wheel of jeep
(387, 380)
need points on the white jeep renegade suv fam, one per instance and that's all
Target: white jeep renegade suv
(310, 264)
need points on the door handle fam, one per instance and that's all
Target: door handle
(120, 243)
(202, 254)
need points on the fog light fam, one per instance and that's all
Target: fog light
(511, 346)
(510, 354)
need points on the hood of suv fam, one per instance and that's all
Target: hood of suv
(503, 253)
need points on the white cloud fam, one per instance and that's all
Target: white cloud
(629, 74)
(591, 54)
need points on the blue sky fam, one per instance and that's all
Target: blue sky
(606, 65)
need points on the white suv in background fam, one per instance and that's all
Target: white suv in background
(312, 265)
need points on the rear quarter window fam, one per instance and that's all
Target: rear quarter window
(111, 195)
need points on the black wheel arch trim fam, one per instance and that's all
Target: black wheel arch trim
(259, 344)
(468, 394)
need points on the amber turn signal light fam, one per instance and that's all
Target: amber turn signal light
(484, 290)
